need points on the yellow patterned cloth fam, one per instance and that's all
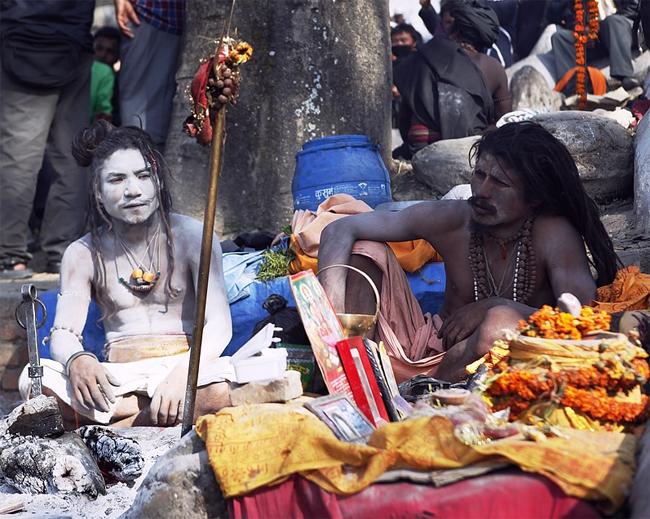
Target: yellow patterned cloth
(253, 446)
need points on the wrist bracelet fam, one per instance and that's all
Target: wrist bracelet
(64, 329)
(74, 356)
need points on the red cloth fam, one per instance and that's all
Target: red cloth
(198, 124)
(500, 495)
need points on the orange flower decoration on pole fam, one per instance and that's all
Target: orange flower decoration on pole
(584, 31)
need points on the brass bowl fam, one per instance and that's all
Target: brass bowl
(357, 325)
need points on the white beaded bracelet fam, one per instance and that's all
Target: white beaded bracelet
(64, 329)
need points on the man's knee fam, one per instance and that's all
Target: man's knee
(615, 27)
(561, 38)
(617, 20)
(212, 398)
(497, 320)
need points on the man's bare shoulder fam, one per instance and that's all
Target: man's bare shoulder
(545, 224)
(80, 250)
(555, 234)
(77, 261)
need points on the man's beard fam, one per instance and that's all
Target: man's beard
(475, 225)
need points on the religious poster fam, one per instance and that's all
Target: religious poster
(323, 329)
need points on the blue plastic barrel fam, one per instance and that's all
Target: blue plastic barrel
(339, 164)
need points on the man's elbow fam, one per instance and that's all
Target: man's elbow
(339, 232)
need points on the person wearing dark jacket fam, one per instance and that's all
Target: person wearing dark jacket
(506, 11)
(45, 98)
(449, 88)
(615, 39)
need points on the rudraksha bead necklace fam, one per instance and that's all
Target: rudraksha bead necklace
(524, 274)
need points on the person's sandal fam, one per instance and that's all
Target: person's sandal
(15, 270)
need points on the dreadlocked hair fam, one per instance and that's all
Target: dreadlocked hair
(551, 180)
(91, 147)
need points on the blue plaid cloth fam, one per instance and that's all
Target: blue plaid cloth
(166, 15)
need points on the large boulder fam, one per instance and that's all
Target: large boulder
(602, 149)
(404, 184)
(180, 484)
(530, 90)
(444, 164)
(642, 177)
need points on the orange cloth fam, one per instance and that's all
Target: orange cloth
(308, 226)
(597, 78)
(630, 290)
(411, 338)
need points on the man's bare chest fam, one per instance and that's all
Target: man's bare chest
(119, 287)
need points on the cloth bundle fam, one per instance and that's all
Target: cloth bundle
(254, 446)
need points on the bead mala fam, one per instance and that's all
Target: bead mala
(524, 275)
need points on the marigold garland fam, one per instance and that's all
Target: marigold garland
(583, 33)
(585, 390)
(598, 405)
(549, 323)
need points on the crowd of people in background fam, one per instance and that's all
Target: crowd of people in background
(57, 76)
(455, 84)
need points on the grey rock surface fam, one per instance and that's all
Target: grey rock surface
(602, 149)
(39, 416)
(181, 484)
(639, 498)
(529, 89)
(544, 64)
(406, 187)
(642, 176)
(318, 68)
(444, 164)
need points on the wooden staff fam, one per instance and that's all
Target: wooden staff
(216, 160)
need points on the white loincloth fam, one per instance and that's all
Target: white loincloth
(139, 377)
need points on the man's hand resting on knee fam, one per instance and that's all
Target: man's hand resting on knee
(92, 385)
(166, 407)
(465, 321)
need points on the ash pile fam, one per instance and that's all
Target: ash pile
(38, 457)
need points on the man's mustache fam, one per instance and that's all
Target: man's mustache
(481, 204)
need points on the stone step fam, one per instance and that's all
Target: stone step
(13, 339)
(10, 298)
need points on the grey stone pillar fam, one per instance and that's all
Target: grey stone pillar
(642, 176)
(319, 67)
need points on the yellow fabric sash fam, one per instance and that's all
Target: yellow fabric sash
(131, 349)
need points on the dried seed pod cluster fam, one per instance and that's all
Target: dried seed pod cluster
(215, 84)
